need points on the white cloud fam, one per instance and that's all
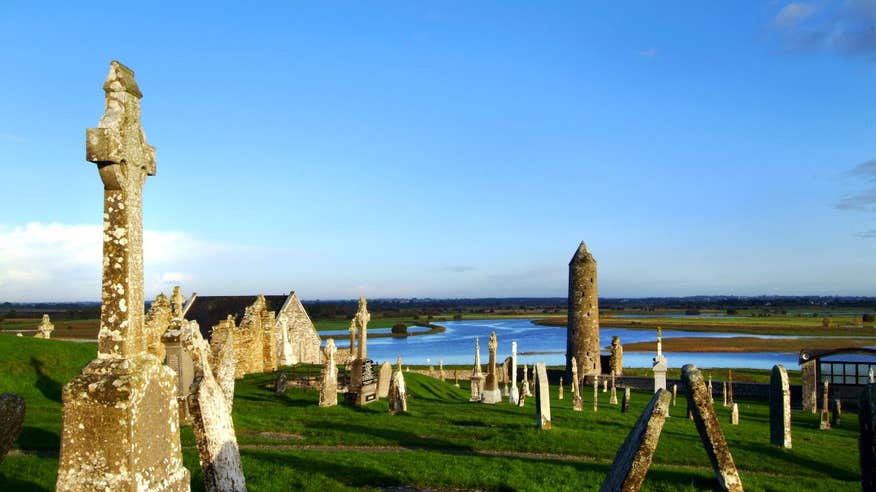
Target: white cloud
(794, 13)
(61, 262)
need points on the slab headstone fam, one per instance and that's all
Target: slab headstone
(514, 394)
(577, 402)
(730, 386)
(398, 395)
(605, 385)
(613, 398)
(542, 398)
(560, 391)
(625, 402)
(780, 407)
(383, 380)
(213, 427)
(836, 412)
(634, 457)
(674, 393)
(595, 394)
(12, 411)
(724, 392)
(527, 389)
(867, 436)
(809, 380)
(734, 414)
(280, 384)
(709, 428)
(328, 388)
(120, 428)
(225, 361)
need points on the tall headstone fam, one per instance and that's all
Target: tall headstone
(514, 395)
(659, 366)
(45, 329)
(724, 392)
(363, 384)
(634, 457)
(625, 403)
(710, 429)
(12, 411)
(213, 427)
(582, 335)
(613, 398)
(328, 389)
(398, 395)
(825, 414)
(441, 375)
(383, 379)
(870, 376)
(120, 428)
(595, 393)
(526, 390)
(280, 383)
(491, 392)
(177, 358)
(711, 391)
(867, 436)
(809, 380)
(542, 398)
(675, 393)
(605, 385)
(734, 414)
(616, 362)
(225, 360)
(560, 391)
(780, 407)
(577, 402)
(477, 377)
(730, 386)
(836, 412)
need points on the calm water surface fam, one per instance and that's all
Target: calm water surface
(456, 345)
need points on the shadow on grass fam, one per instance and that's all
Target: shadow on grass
(7, 483)
(36, 438)
(400, 437)
(50, 388)
(283, 400)
(798, 460)
(351, 475)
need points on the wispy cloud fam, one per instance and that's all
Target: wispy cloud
(865, 200)
(842, 27)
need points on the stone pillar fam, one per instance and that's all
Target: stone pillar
(780, 407)
(542, 398)
(525, 390)
(809, 378)
(709, 429)
(383, 379)
(441, 374)
(867, 436)
(514, 395)
(595, 393)
(328, 390)
(836, 412)
(734, 414)
(625, 403)
(675, 393)
(577, 403)
(120, 428)
(825, 415)
(477, 377)
(156, 324)
(582, 335)
(491, 391)
(560, 391)
(660, 365)
(617, 357)
(177, 300)
(613, 398)
(634, 457)
(398, 395)
(362, 318)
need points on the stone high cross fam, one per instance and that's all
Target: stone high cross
(124, 159)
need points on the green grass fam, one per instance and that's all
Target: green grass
(289, 443)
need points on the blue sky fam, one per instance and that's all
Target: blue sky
(451, 149)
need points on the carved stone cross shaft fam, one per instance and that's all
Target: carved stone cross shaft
(124, 159)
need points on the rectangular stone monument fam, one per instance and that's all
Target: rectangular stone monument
(867, 436)
(383, 379)
(734, 414)
(120, 428)
(780, 407)
(634, 457)
(328, 388)
(625, 403)
(491, 393)
(542, 398)
(707, 424)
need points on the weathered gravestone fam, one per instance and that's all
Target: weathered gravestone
(477, 377)
(363, 384)
(734, 414)
(120, 428)
(398, 395)
(577, 402)
(706, 421)
(780, 407)
(225, 363)
(867, 437)
(660, 365)
(213, 427)
(542, 398)
(328, 389)
(625, 402)
(175, 356)
(595, 393)
(491, 393)
(616, 360)
(613, 398)
(836, 412)
(825, 414)
(45, 329)
(560, 391)
(280, 384)
(526, 391)
(12, 411)
(634, 457)
(383, 379)
(514, 394)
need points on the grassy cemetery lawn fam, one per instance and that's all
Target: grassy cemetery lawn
(289, 443)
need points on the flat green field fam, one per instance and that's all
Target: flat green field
(444, 442)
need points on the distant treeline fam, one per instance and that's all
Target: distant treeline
(425, 307)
